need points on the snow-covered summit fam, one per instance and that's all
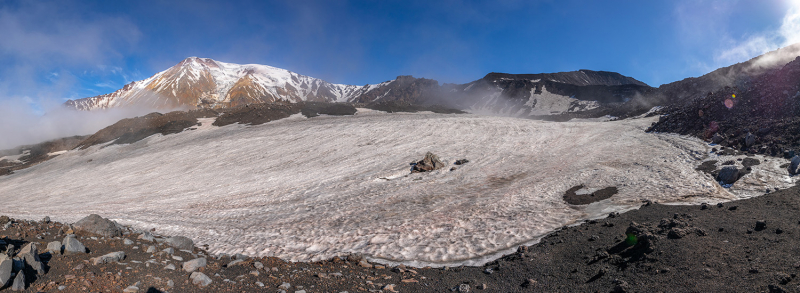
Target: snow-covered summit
(207, 83)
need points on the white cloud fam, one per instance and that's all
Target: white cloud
(44, 45)
(106, 85)
(758, 44)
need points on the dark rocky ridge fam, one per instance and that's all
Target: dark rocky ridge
(766, 108)
(405, 89)
(37, 153)
(581, 77)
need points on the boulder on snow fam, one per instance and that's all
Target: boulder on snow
(98, 225)
(728, 175)
(429, 163)
(794, 167)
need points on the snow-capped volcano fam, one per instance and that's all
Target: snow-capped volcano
(206, 83)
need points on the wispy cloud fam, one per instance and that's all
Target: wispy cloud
(45, 46)
(757, 44)
(106, 85)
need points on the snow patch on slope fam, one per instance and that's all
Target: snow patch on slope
(310, 189)
(548, 103)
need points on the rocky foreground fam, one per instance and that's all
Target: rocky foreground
(743, 246)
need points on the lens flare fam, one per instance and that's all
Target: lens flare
(728, 103)
(631, 239)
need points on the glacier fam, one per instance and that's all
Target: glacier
(307, 189)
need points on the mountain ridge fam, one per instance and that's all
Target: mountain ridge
(206, 83)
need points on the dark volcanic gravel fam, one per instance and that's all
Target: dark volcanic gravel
(760, 115)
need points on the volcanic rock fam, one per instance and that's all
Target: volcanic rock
(5, 271)
(72, 245)
(30, 253)
(111, 257)
(749, 140)
(200, 279)
(98, 225)
(717, 138)
(19, 283)
(429, 163)
(193, 265)
(180, 242)
(761, 225)
(54, 247)
(728, 175)
(794, 166)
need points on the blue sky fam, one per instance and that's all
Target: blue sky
(56, 50)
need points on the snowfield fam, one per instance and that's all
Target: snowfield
(309, 189)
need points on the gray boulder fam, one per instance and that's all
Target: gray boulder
(200, 279)
(19, 283)
(54, 247)
(728, 175)
(429, 163)
(717, 138)
(193, 265)
(72, 245)
(5, 272)
(147, 236)
(30, 253)
(749, 140)
(111, 257)
(98, 225)
(180, 242)
(794, 167)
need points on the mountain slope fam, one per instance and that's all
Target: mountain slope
(206, 83)
(528, 95)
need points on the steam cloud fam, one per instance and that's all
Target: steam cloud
(33, 80)
(788, 34)
(21, 125)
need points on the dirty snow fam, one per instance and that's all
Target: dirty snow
(308, 189)
(16, 158)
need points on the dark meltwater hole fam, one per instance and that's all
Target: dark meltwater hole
(578, 195)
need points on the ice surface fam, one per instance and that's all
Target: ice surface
(312, 188)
